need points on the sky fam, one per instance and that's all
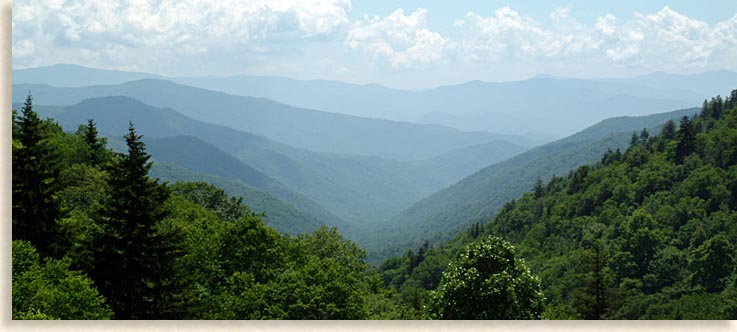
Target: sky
(409, 44)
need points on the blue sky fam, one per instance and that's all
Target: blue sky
(444, 12)
(405, 44)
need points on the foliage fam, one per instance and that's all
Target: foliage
(35, 208)
(133, 256)
(644, 234)
(185, 251)
(50, 290)
(487, 282)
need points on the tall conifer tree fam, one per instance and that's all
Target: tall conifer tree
(134, 260)
(34, 209)
(686, 138)
(96, 144)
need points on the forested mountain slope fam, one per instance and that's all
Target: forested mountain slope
(282, 217)
(441, 215)
(648, 233)
(460, 163)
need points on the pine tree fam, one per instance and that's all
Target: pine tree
(669, 130)
(95, 144)
(717, 106)
(686, 140)
(644, 135)
(539, 188)
(593, 300)
(34, 209)
(134, 260)
(635, 139)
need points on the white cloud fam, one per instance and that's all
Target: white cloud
(606, 25)
(666, 40)
(666, 37)
(402, 40)
(560, 14)
(169, 26)
(286, 36)
(507, 34)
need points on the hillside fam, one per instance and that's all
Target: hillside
(338, 183)
(649, 233)
(477, 197)
(279, 215)
(309, 129)
(460, 163)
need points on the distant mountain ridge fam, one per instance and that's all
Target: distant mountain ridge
(310, 129)
(561, 107)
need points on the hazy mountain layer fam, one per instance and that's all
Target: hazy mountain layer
(361, 190)
(559, 106)
(309, 129)
(477, 197)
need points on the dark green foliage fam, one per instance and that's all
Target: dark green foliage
(685, 140)
(50, 290)
(34, 171)
(712, 263)
(668, 131)
(487, 282)
(635, 139)
(592, 301)
(96, 145)
(134, 258)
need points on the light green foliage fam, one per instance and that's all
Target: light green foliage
(487, 282)
(50, 290)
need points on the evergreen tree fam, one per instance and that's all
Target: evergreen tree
(95, 144)
(705, 109)
(539, 188)
(593, 300)
(669, 130)
(644, 135)
(717, 106)
(135, 258)
(34, 209)
(635, 139)
(686, 140)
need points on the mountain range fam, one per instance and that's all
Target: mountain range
(309, 129)
(542, 107)
(359, 190)
(386, 184)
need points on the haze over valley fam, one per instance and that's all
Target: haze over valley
(367, 175)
